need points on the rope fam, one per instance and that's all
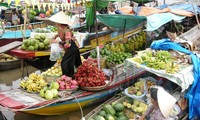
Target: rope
(79, 106)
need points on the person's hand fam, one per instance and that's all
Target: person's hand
(55, 40)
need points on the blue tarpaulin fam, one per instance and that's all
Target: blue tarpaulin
(193, 94)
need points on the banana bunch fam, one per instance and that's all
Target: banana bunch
(172, 68)
(34, 83)
(88, 4)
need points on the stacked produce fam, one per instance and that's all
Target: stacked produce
(39, 42)
(5, 58)
(117, 47)
(54, 70)
(50, 92)
(104, 52)
(33, 13)
(52, 28)
(42, 30)
(137, 88)
(34, 83)
(134, 43)
(88, 74)
(124, 109)
(137, 106)
(159, 60)
(66, 83)
(49, 12)
(118, 58)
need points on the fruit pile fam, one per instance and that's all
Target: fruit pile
(42, 30)
(111, 112)
(118, 58)
(159, 60)
(137, 106)
(134, 43)
(124, 109)
(5, 58)
(53, 71)
(117, 47)
(104, 52)
(88, 74)
(137, 88)
(52, 28)
(33, 13)
(50, 92)
(49, 12)
(34, 83)
(66, 83)
(39, 42)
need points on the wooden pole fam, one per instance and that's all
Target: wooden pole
(25, 19)
(196, 15)
(95, 18)
(96, 30)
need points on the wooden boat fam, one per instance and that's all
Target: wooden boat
(89, 43)
(10, 65)
(14, 33)
(8, 62)
(68, 104)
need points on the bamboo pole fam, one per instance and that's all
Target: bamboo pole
(25, 19)
(96, 30)
(196, 15)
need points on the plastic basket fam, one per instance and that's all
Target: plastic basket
(141, 97)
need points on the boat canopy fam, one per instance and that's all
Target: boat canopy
(120, 21)
(90, 13)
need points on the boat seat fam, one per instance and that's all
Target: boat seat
(10, 46)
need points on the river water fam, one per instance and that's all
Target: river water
(10, 75)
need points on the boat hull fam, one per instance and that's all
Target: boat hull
(72, 105)
(9, 65)
(93, 97)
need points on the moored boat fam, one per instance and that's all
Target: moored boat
(67, 104)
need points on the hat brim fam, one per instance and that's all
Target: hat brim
(60, 18)
(166, 102)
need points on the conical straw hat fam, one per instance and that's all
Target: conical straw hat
(61, 18)
(166, 102)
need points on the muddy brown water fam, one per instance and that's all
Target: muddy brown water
(10, 75)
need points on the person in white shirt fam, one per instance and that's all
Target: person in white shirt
(14, 17)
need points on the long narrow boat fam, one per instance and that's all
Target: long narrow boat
(68, 104)
(15, 33)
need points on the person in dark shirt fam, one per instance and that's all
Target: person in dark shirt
(20, 17)
(3, 15)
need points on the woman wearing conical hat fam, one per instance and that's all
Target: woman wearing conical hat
(162, 105)
(66, 39)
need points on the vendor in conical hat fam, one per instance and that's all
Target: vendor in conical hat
(162, 105)
(66, 39)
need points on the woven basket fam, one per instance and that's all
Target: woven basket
(98, 88)
(110, 65)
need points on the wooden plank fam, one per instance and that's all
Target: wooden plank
(191, 35)
(10, 46)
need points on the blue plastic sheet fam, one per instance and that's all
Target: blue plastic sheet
(193, 94)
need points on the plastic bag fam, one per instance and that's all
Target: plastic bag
(56, 52)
